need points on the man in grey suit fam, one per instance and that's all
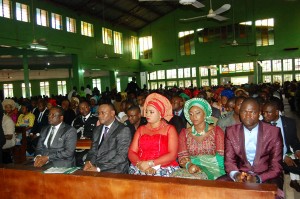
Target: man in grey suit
(57, 143)
(111, 140)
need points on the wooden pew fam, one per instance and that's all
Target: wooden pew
(18, 181)
(19, 151)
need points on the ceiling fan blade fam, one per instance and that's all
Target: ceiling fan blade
(193, 18)
(219, 18)
(222, 9)
(197, 4)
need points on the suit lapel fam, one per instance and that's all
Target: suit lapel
(259, 143)
(243, 148)
(58, 135)
(110, 132)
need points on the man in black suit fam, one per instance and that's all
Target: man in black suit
(85, 123)
(291, 149)
(57, 143)
(41, 120)
(111, 140)
(135, 119)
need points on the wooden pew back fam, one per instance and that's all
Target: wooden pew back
(23, 182)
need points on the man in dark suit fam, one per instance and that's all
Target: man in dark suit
(291, 144)
(253, 149)
(135, 119)
(57, 143)
(178, 120)
(85, 124)
(111, 140)
(41, 120)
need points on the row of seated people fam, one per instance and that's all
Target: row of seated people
(155, 147)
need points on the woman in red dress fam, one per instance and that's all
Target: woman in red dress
(154, 148)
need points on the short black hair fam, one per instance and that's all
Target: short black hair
(134, 108)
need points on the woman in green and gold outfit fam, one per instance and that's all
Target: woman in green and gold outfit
(201, 147)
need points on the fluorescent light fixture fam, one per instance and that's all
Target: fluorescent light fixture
(38, 47)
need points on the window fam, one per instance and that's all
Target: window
(5, 8)
(194, 83)
(22, 12)
(145, 47)
(276, 65)
(44, 88)
(107, 36)
(186, 42)
(180, 73)
(203, 72)
(87, 29)
(153, 76)
(171, 83)
(194, 72)
(71, 25)
(153, 85)
(187, 72)
(287, 77)
(287, 64)
(181, 84)
(162, 84)
(297, 77)
(277, 79)
(204, 82)
(264, 32)
(239, 80)
(267, 78)
(266, 66)
(118, 48)
(118, 82)
(187, 83)
(61, 88)
(172, 73)
(24, 90)
(42, 17)
(134, 47)
(297, 64)
(161, 74)
(56, 21)
(213, 72)
(97, 83)
(8, 90)
(214, 81)
(225, 68)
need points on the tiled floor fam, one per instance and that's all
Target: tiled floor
(290, 193)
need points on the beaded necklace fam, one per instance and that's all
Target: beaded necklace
(198, 134)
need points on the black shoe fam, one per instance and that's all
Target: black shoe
(294, 184)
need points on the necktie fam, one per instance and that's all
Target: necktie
(176, 113)
(84, 119)
(105, 132)
(103, 136)
(50, 136)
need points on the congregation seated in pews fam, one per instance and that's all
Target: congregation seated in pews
(154, 148)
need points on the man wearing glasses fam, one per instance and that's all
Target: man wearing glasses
(57, 143)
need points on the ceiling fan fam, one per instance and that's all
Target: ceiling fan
(194, 3)
(212, 14)
(234, 42)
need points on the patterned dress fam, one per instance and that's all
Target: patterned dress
(153, 144)
(208, 154)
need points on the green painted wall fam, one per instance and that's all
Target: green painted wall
(166, 45)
